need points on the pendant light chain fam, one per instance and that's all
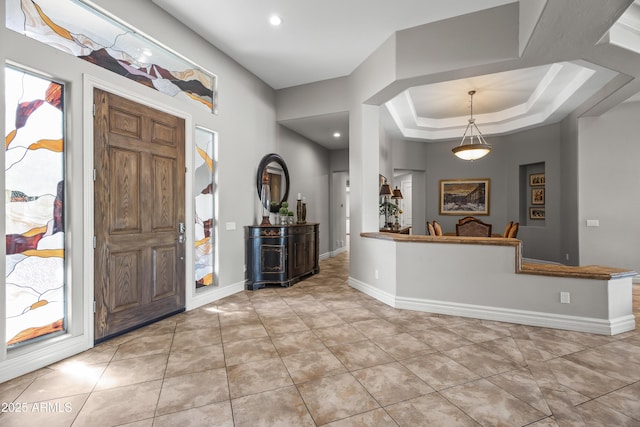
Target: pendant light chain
(473, 150)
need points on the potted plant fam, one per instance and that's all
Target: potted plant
(284, 213)
(388, 209)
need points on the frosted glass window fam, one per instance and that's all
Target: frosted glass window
(75, 28)
(204, 189)
(34, 203)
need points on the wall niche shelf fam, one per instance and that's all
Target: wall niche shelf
(532, 206)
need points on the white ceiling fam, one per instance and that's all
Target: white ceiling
(504, 102)
(320, 40)
(317, 40)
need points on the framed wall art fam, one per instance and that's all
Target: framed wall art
(537, 196)
(464, 196)
(536, 179)
(536, 213)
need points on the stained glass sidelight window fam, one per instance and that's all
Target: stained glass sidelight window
(34, 203)
(204, 189)
(76, 28)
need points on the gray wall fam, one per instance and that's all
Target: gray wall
(608, 156)
(308, 165)
(502, 167)
(329, 96)
(569, 233)
(339, 160)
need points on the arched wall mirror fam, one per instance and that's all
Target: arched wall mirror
(278, 173)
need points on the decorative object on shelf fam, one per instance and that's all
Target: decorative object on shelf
(301, 209)
(290, 218)
(389, 209)
(397, 195)
(279, 182)
(284, 213)
(385, 206)
(472, 150)
(464, 196)
(265, 198)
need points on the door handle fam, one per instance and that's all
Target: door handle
(181, 229)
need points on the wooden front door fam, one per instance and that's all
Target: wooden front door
(139, 207)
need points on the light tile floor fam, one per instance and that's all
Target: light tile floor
(322, 353)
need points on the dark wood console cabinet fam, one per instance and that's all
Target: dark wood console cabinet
(280, 254)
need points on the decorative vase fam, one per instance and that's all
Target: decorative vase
(300, 212)
(265, 199)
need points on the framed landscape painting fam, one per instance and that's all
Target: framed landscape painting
(464, 196)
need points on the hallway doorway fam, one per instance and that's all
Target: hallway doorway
(340, 221)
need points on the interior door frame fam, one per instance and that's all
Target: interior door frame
(89, 83)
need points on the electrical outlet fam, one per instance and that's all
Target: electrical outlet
(565, 297)
(376, 274)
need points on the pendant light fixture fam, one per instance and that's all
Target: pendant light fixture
(473, 149)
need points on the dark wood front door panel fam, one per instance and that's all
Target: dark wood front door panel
(124, 215)
(139, 204)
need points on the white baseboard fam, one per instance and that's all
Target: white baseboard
(213, 295)
(374, 292)
(623, 324)
(498, 314)
(337, 252)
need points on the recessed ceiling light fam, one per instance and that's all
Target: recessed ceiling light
(336, 135)
(275, 20)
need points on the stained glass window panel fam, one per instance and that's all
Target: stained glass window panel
(34, 204)
(80, 30)
(204, 189)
